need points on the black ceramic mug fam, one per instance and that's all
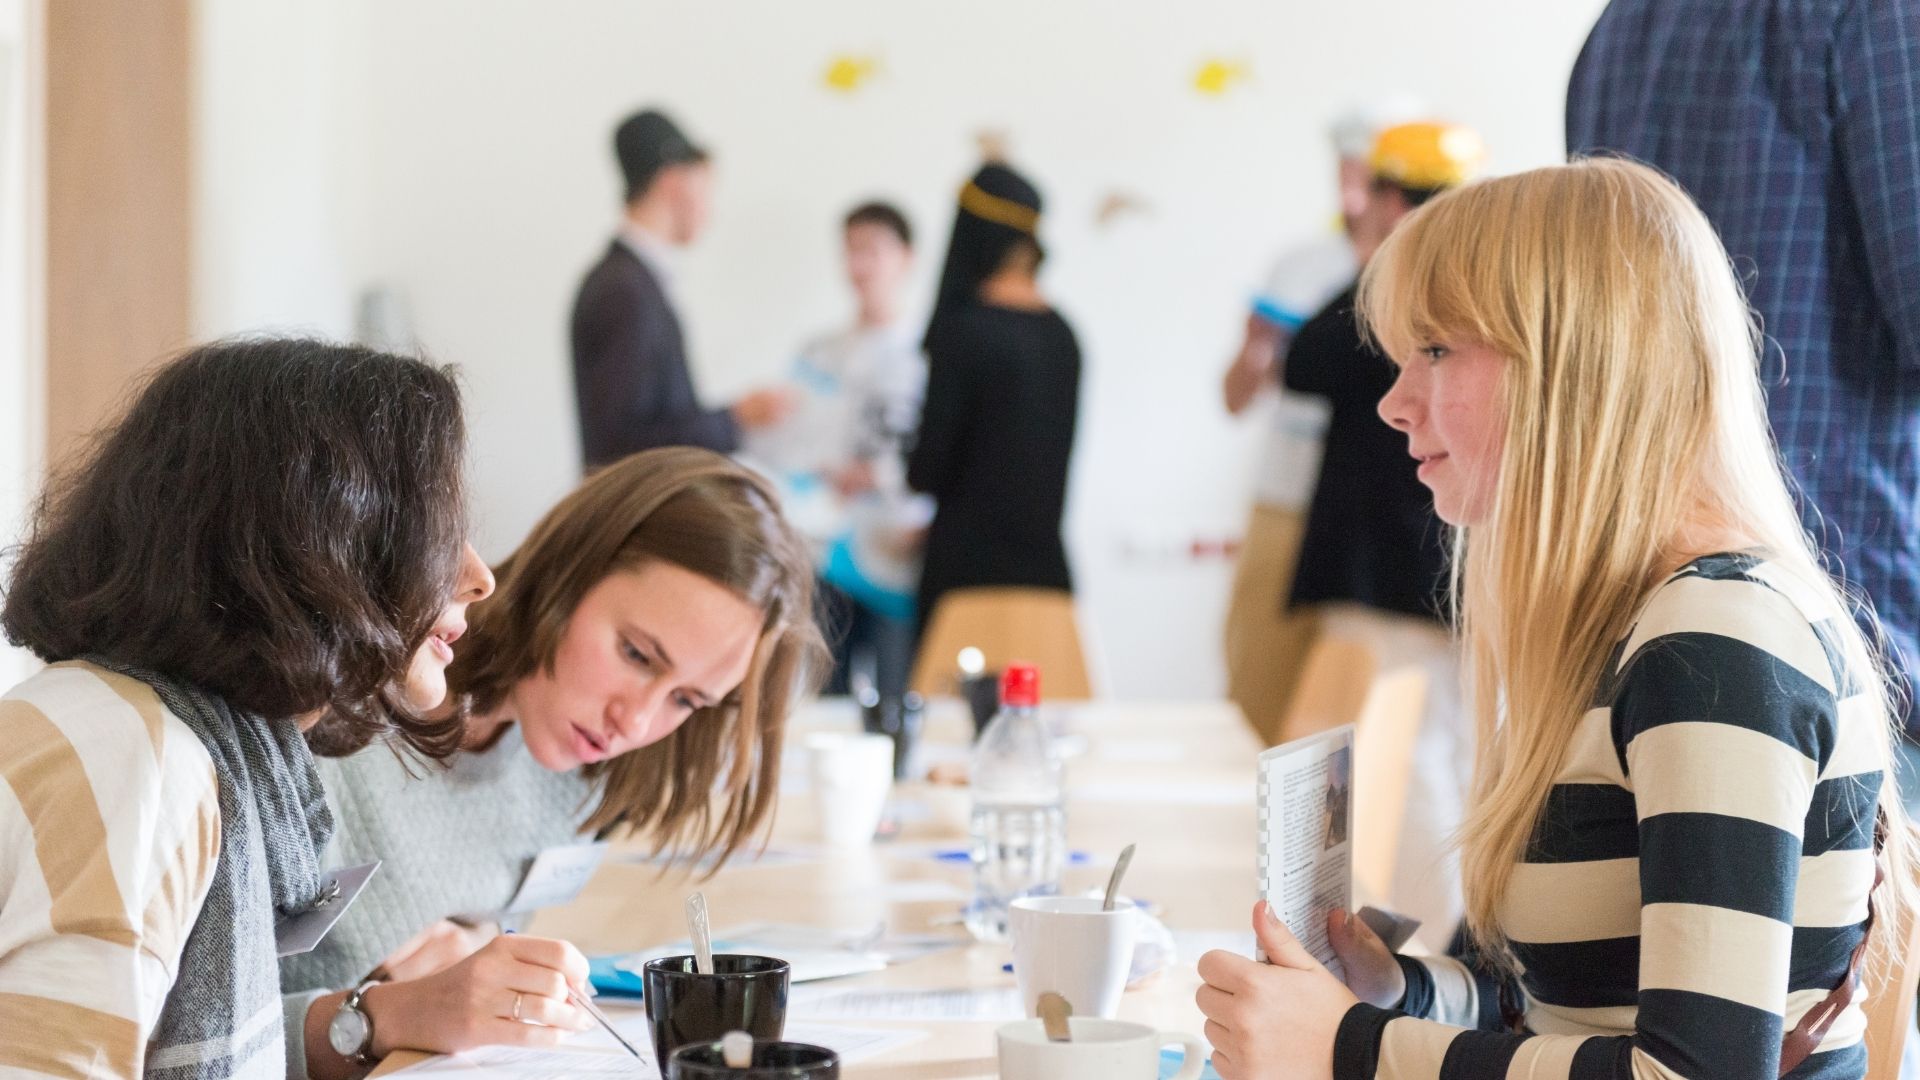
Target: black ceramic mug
(771, 1061)
(744, 993)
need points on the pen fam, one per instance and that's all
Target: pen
(599, 1017)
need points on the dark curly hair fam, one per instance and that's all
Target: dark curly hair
(276, 521)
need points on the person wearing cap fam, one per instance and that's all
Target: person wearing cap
(629, 356)
(1002, 399)
(1373, 561)
(1265, 644)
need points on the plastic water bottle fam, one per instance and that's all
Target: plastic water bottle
(1019, 812)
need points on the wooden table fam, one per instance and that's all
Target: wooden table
(1176, 779)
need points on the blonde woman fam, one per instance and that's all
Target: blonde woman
(1683, 731)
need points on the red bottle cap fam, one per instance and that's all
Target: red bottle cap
(1020, 685)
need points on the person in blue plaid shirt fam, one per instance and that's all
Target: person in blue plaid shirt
(1795, 124)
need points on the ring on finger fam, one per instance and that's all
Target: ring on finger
(516, 1007)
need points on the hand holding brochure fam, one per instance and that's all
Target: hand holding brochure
(1305, 858)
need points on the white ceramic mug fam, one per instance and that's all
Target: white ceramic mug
(1100, 1050)
(851, 774)
(1068, 945)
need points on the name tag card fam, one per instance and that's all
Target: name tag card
(298, 934)
(556, 877)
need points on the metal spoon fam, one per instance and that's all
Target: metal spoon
(1054, 1011)
(1113, 883)
(701, 934)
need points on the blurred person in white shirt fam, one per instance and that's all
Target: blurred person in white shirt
(840, 458)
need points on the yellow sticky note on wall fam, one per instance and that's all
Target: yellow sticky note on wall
(847, 73)
(1216, 76)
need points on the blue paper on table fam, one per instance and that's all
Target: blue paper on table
(608, 977)
(960, 855)
(1172, 1060)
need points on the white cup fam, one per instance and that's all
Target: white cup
(1066, 944)
(851, 775)
(1100, 1050)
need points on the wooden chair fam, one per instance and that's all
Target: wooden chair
(1344, 684)
(1890, 1002)
(1037, 626)
(1266, 644)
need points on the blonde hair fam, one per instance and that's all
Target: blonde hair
(1633, 409)
(709, 787)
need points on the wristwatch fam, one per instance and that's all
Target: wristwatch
(350, 1033)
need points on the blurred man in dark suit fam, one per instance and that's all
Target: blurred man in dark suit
(629, 356)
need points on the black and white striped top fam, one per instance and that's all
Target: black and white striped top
(1699, 877)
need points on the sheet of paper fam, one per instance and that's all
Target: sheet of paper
(557, 876)
(812, 952)
(564, 1063)
(1141, 751)
(896, 1004)
(1305, 852)
(853, 1044)
(1162, 794)
(919, 891)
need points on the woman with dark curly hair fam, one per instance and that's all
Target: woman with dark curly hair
(275, 533)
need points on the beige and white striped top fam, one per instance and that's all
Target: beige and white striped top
(109, 832)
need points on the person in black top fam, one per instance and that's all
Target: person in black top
(1373, 564)
(1371, 537)
(1003, 395)
(629, 358)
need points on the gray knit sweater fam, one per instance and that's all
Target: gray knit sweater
(453, 841)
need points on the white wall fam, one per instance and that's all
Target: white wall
(459, 151)
(22, 259)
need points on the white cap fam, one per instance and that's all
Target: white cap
(1356, 129)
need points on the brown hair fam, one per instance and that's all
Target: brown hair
(884, 214)
(276, 521)
(697, 510)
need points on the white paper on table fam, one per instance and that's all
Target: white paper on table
(563, 1063)
(810, 952)
(1162, 793)
(874, 1003)
(1305, 852)
(594, 1053)
(557, 876)
(918, 891)
(852, 1044)
(1141, 751)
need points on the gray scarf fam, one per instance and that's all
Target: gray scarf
(222, 1017)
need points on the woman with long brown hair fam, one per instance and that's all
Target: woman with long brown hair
(633, 673)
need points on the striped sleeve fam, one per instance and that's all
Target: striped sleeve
(109, 833)
(1726, 717)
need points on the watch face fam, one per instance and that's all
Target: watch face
(347, 1034)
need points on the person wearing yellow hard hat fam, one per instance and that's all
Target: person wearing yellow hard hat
(1373, 562)
(1412, 163)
